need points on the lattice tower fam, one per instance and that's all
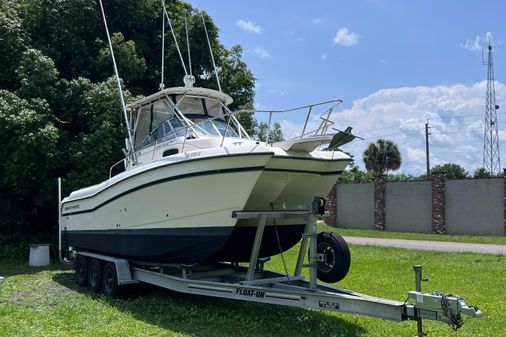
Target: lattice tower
(491, 158)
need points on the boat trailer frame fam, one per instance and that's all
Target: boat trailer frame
(255, 284)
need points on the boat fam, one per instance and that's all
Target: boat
(189, 165)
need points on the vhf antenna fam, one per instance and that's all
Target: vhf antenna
(118, 82)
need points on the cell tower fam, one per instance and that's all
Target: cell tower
(491, 160)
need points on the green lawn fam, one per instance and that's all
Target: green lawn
(45, 302)
(496, 240)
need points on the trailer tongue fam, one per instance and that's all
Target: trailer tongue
(254, 283)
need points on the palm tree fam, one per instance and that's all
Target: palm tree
(382, 156)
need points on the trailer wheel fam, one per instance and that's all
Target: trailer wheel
(110, 280)
(81, 267)
(95, 275)
(337, 257)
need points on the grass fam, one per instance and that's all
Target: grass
(496, 240)
(45, 302)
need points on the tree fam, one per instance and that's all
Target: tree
(37, 75)
(13, 41)
(131, 65)
(355, 175)
(28, 158)
(481, 173)
(275, 133)
(382, 156)
(78, 48)
(451, 170)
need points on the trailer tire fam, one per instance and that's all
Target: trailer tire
(81, 268)
(95, 275)
(337, 257)
(110, 284)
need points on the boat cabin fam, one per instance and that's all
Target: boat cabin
(180, 119)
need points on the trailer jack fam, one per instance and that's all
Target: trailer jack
(438, 306)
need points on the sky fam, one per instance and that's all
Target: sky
(395, 64)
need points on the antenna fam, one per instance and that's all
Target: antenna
(122, 100)
(211, 51)
(162, 85)
(174, 36)
(188, 45)
(491, 158)
(188, 79)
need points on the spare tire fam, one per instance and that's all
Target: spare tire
(337, 257)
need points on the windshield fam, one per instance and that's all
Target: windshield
(215, 127)
(179, 116)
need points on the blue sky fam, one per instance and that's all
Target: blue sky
(393, 63)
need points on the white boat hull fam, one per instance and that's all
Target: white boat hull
(288, 182)
(169, 212)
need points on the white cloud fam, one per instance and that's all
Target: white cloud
(416, 155)
(262, 53)
(317, 21)
(455, 113)
(472, 45)
(476, 44)
(249, 26)
(346, 38)
(323, 57)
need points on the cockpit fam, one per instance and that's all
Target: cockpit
(188, 113)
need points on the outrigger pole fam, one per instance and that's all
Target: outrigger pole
(174, 36)
(162, 85)
(118, 82)
(211, 51)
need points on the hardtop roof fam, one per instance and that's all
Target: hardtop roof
(197, 91)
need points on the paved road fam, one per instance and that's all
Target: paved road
(429, 245)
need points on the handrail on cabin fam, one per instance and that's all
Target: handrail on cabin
(323, 126)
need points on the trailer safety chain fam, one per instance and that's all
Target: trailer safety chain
(279, 246)
(456, 320)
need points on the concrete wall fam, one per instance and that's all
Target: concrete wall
(475, 206)
(472, 206)
(408, 206)
(355, 206)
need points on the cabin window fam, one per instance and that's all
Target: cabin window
(161, 113)
(191, 105)
(213, 108)
(170, 152)
(143, 124)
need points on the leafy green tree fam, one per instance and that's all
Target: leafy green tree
(451, 170)
(382, 156)
(401, 177)
(93, 150)
(481, 173)
(29, 148)
(13, 41)
(131, 66)
(355, 175)
(37, 75)
(57, 28)
(275, 133)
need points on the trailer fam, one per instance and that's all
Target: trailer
(252, 282)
